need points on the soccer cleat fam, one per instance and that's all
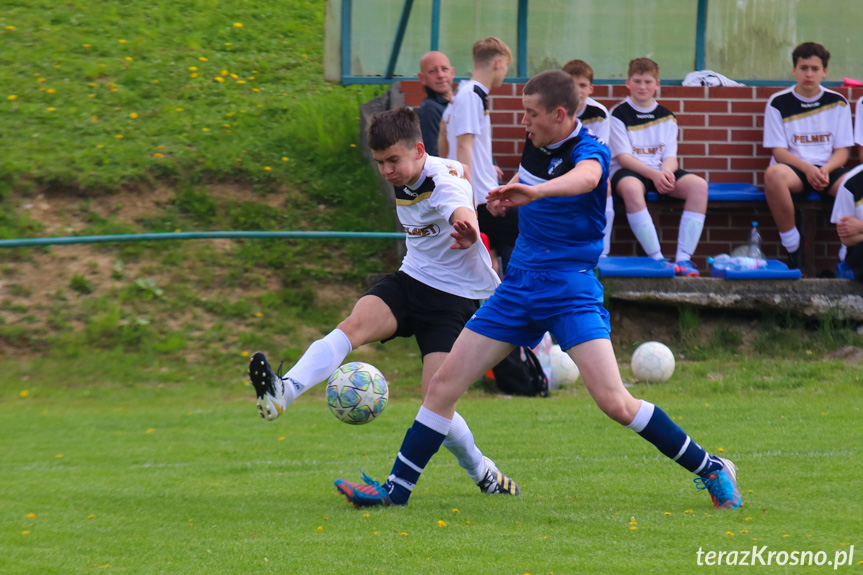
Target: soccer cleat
(795, 258)
(686, 269)
(273, 395)
(368, 494)
(495, 481)
(722, 486)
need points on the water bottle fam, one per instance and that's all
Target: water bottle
(736, 263)
(752, 249)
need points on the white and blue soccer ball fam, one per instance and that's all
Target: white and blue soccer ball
(357, 392)
(563, 369)
(652, 362)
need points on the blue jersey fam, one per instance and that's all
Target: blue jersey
(562, 232)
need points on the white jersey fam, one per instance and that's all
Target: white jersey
(469, 114)
(648, 134)
(594, 117)
(849, 196)
(858, 123)
(810, 128)
(424, 211)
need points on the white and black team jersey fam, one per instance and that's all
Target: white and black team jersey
(424, 210)
(810, 128)
(858, 123)
(594, 117)
(849, 196)
(648, 134)
(469, 114)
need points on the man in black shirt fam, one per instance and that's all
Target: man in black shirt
(436, 74)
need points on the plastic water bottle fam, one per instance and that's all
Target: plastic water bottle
(736, 263)
(752, 249)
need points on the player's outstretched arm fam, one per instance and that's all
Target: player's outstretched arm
(466, 228)
(580, 180)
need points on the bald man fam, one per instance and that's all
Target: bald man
(436, 75)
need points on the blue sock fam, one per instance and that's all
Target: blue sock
(655, 426)
(421, 442)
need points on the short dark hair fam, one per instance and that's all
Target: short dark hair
(809, 49)
(389, 128)
(556, 89)
(579, 68)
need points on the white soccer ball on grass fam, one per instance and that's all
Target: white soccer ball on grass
(563, 369)
(357, 392)
(652, 362)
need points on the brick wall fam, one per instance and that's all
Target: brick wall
(720, 140)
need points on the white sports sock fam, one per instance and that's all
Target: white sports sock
(645, 232)
(688, 234)
(460, 442)
(843, 249)
(320, 361)
(790, 239)
(609, 223)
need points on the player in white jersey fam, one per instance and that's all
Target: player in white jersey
(858, 127)
(594, 117)
(808, 130)
(644, 158)
(848, 217)
(468, 132)
(437, 289)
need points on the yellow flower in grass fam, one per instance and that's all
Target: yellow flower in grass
(12, 97)
(151, 430)
(320, 528)
(52, 109)
(122, 41)
(158, 155)
(267, 168)
(238, 25)
(193, 68)
(133, 115)
(24, 393)
(10, 28)
(441, 523)
(285, 159)
(128, 59)
(87, 45)
(31, 516)
(219, 79)
(119, 136)
(224, 72)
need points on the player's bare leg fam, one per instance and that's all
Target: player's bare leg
(780, 181)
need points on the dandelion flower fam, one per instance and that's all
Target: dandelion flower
(10, 28)
(91, 95)
(158, 155)
(234, 76)
(133, 115)
(205, 129)
(202, 59)
(259, 314)
(119, 136)
(353, 145)
(441, 523)
(179, 109)
(122, 41)
(40, 80)
(320, 528)
(245, 354)
(193, 68)
(151, 430)
(12, 97)
(194, 75)
(51, 109)
(224, 72)
(721, 450)
(100, 146)
(87, 45)
(59, 456)
(286, 159)
(31, 516)
(241, 81)
(237, 25)
(255, 90)
(24, 393)
(128, 59)
(219, 79)
(25, 533)
(267, 168)
(282, 438)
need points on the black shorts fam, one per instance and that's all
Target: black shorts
(649, 186)
(501, 231)
(835, 175)
(434, 317)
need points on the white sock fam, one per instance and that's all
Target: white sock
(688, 234)
(460, 442)
(645, 232)
(790, 239)
(320, 361)
(843, 249)
(609, 223)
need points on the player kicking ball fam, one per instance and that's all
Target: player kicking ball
(549, 286)
(444, 274)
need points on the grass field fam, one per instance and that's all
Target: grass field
(152, 475)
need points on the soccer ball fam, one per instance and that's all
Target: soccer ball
(563, 369)
(357, 392)
(652, 361)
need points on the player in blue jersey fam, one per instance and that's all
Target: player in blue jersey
(550, 286)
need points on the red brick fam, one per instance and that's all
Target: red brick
(691, 120)
(681, 92)
(764, 92)
(509, 132)
(502, 147)
(748, 107)
(414, 99)
(619, 91)
(690, 149)
(704, 135)
(506, 103)
(603, 91)
(731, 177)
(673, 105)
(746, 135)
(705, 163)
(731, 92)
(508, 161)
(731, 149)
(712, 106)
(504, 118)
(505, 90)
(749, 163)
(411, 87)
(740, 120)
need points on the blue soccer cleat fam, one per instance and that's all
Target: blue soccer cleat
(367, 494)
(722, 486)
(686, 269)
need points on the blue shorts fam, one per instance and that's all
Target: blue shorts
(527, 304)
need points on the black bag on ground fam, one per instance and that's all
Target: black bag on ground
(854, 260)
(517, 376)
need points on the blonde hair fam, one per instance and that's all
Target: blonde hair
(486, 50)
(643, 66)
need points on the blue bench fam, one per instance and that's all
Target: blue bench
(733, 193)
